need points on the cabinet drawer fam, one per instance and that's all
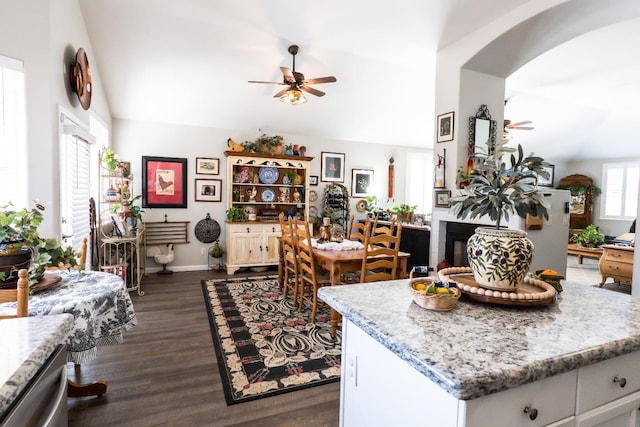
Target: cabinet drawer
(621, 256)
(616, 269)
(603, 382)
(507, 408)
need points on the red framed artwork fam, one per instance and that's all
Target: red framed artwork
(164, 182)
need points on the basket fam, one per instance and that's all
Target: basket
(436, 302)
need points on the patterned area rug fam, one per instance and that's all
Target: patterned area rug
(263, 344)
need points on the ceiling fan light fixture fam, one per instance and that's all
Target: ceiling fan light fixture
(293, 96)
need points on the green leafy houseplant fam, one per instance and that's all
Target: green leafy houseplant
(590, 237)
(235, 213)
(19, 229)
(404, 211)
(497, 189)
(109, 159)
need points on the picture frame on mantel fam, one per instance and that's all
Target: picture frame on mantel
(443, 198)
(444, 127)
(546, 181)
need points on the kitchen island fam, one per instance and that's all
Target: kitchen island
(26, 347)
(572, 363)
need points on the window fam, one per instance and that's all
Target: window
(76, 144)
(13, 141)
(419, 181)
(620, 191)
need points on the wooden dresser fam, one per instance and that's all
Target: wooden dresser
(616, 262)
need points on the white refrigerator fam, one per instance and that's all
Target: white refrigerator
(550, 242)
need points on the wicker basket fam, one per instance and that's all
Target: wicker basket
(436, 302)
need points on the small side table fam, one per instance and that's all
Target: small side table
(616, 262)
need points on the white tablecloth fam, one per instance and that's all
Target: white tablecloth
(345, 245)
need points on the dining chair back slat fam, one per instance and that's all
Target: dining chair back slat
(356, 229)
(288, 259)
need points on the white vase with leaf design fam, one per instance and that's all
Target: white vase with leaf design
(499, 258)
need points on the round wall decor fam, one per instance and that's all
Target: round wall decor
(80, 75)
(207, 230)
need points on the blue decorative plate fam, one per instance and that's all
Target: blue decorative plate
(268, 175)
(268, 195)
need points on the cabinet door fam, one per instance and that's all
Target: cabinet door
(619, 413)
(270, 253)
(246, 248)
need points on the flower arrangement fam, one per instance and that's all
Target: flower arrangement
(497, 189)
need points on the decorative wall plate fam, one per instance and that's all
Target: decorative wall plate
(268, 175)
(313, 195)
(313, 211)
(361, 206)
(80, 75)
(268, 195)
(207, 230)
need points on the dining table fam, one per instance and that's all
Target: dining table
(102, 311)
(337, 262)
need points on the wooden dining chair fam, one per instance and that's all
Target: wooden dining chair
(19, 295)
(288, 259)
(356, 229)
(381, 256)
(310, 280)
(383, 229)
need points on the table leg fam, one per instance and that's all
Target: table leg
(335, 272)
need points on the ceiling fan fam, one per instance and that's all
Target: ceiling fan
(296, 83)
(515, 126)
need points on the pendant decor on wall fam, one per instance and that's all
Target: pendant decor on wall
(80, 75)
(391, 160)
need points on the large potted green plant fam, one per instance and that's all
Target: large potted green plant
(500, 258)
(22, 246)
(590, 237)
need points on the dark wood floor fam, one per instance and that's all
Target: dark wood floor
(166, 374)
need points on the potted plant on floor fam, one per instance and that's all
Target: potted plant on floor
(500, 258)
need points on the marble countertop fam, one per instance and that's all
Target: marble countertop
(26, 344)
(478, 349)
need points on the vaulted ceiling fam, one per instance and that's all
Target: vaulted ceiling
(189, 62)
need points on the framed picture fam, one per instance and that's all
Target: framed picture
(313, 180)
(207, 166)
(445, 127)
(361, 182)
(442, 198)
(546, 182)
(118, 226)
(164, 182)
(332, 167)
(208, 190)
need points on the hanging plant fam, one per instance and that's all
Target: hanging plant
(594, 190)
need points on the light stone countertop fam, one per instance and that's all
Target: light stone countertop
(478, 349)
(25, 345)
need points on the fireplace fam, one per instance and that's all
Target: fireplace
(455, 251)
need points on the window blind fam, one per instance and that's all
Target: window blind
(620, 190)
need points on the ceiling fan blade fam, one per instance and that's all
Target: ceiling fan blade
(272, 83)
(329, 79)
(311, 90)
(512, 125)
(288, 75)
(282, 92)
(523, 128)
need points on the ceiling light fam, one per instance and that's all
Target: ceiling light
(293, 97)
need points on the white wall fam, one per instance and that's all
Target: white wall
(134, 139)
(45, 35)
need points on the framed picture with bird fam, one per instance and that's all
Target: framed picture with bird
(164, 182)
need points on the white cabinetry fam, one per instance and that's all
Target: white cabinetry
(264, 185)
(252, 244)
(589, 396)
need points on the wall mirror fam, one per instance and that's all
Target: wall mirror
(482, 131)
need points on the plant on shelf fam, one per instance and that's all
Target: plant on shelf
(131, 208)
(501, 258)
(291, 176)
(590, 237)
(109, 160)
(592, 189)
(216, 251)
(235, 213)
(404, 211)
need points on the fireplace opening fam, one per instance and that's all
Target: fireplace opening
(455, 251)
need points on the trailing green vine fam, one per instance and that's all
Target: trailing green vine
(582, 189)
